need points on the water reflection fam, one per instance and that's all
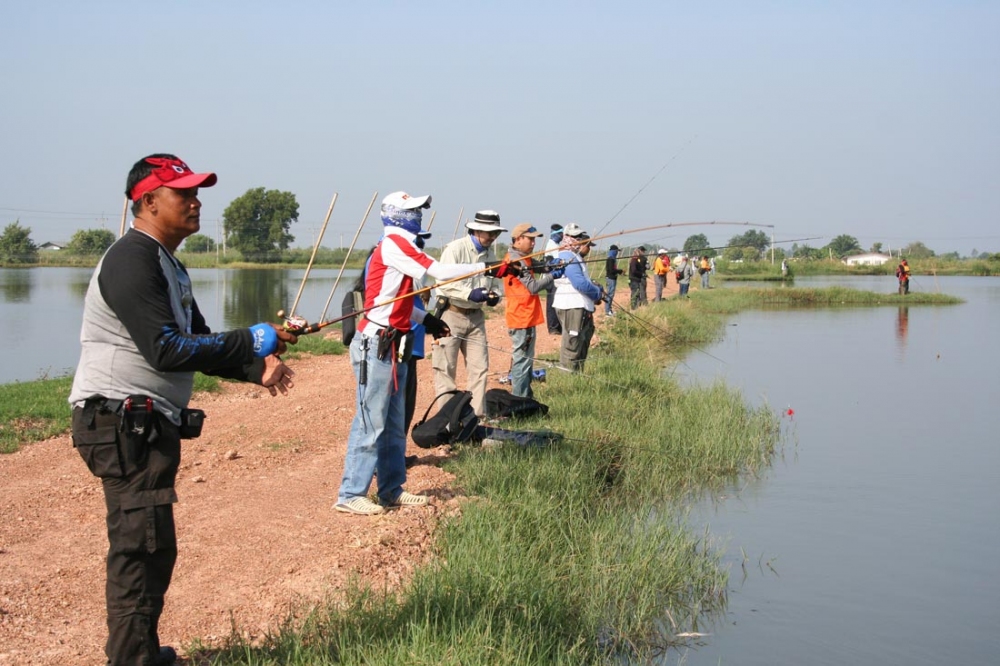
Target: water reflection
(902, 327)
(78, 284)
(252, 297)
(15, 285)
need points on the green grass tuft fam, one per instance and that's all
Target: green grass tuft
(33, 411)
(573, 553)
(316, 344)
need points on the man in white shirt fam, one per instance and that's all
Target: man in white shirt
(464, 314)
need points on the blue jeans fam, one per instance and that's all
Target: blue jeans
(377, 442)
(704, 279)
(609, 289)
(684, 288)
(523, 356)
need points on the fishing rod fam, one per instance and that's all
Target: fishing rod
(298, 326)
(648, 182)
(702, 249)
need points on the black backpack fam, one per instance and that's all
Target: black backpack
(456, 421)
(503, 404)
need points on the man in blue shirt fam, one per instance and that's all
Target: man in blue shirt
(575, 299)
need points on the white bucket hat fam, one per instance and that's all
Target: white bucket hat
(485, 220)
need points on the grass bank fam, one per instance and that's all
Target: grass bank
(571, 554)
(36, 410)
(733, 300)
(928, 266)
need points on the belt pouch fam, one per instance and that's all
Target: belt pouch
(386, 342)
(96, 433)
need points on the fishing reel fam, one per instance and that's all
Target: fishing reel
(294, 324)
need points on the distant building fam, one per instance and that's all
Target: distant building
(50, 245)
(867, 259)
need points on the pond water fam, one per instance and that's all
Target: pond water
(41, 309)
(875, 536)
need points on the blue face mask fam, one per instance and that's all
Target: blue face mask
(408, 220)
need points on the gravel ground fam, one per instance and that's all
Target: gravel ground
(257, 535)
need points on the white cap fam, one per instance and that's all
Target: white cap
(573, 230)
(661, 251)
(406, 202)
(485, 220)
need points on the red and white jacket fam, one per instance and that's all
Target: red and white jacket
(395, 264)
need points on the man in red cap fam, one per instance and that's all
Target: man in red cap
(143, 337)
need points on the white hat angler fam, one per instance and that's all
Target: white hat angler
(485, 220)
(574, 230)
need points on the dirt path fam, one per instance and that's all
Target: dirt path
(256, 531)
(257, 535)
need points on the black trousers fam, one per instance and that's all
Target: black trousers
(551, 318)
(138, 479)
(410, 392)
(638, 296)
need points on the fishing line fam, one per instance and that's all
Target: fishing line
(665, 333)
(648, 182)
(545, 362)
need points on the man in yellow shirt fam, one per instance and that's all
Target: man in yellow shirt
(661, 268)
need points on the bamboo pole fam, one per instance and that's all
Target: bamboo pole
(431, 222)
(312, 258)
(458, 222)
(348, 256)
(121, 231)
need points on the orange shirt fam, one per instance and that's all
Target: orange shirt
(524, 309)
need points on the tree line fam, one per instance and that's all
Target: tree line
(755, 245)
(257, 225)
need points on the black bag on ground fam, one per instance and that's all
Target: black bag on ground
(523, 438)
(503, 404)
(456, 421)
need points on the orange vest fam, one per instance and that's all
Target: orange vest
(524, 309)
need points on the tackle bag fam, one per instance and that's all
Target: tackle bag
(353, 302)
(456, 421)
(503, 404)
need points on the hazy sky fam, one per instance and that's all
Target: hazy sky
(876, 119)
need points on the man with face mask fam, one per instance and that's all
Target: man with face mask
(576, 296)
(380, 353)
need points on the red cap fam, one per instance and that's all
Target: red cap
(172, 173)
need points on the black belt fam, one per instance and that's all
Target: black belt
(465, 311)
